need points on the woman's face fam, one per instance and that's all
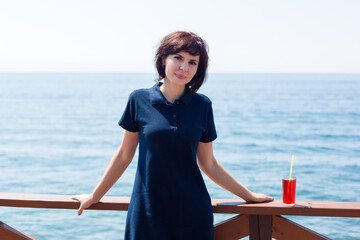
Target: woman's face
(180, 67)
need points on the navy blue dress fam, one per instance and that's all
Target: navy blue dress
(169, 199)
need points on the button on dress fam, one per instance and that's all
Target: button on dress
(169, 199)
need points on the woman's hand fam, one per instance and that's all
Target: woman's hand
(223, 178)
(118, 164)
(258, 197)
(85, 202)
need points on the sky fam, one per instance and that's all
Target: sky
(244, 36)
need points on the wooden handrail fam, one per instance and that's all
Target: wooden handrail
(259, 220)
(233, 206)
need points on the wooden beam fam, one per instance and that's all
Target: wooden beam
(60, 202)
(284, 229)
(9, 233)
(234, 206)
(301, 208)
(232, 229)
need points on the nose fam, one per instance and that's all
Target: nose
(184, 66)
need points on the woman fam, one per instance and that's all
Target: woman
(174, 127)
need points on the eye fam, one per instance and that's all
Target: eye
(178, 57)
(193, 63)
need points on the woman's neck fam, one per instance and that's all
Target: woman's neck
(172, 91)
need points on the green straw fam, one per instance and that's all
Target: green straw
(292, 162)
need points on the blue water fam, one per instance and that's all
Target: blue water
(59, 131)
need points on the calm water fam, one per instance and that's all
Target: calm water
(59, 131)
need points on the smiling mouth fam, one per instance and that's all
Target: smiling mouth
(180, 76)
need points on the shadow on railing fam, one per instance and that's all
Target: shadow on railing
(259, 220)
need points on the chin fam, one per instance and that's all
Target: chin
(182, 82)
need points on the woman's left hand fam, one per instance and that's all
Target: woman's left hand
(258, 197)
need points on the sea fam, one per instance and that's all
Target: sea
(58, 132)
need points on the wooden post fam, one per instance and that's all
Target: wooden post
(265, 224)
(254, 227)
(260, 227)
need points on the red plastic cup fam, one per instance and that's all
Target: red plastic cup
(289, 190)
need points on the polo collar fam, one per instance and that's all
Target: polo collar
(156, 96)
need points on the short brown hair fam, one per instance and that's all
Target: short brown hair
(188, 42)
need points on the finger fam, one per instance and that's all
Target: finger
(80, 210)
(269, 199)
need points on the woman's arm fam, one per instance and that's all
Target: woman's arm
(117, 166)
(223, 178)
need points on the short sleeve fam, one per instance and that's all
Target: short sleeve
(209, 134)
(128, 119)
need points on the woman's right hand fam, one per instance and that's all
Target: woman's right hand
(85, 202)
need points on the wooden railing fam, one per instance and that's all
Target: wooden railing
(257, 220)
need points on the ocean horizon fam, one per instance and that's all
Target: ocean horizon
(59, 131)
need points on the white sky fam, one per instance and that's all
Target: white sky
(121, 36)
